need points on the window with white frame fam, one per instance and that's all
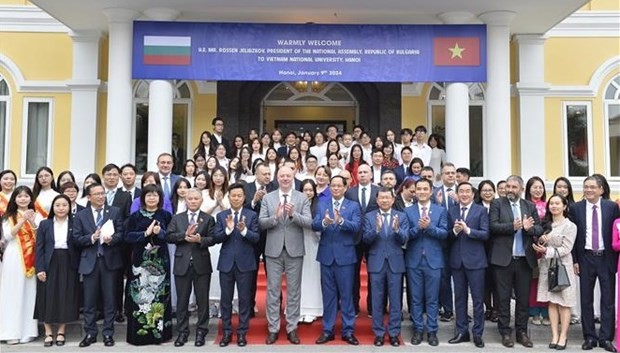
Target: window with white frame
(612, 114)
(4, 112)
(37, 129)
(577, 138)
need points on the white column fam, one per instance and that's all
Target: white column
(498, 143)
(457, 106)
(161, 97)
(120, 98)
(84, 87)
(532, 89)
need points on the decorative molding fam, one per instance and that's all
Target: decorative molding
(206, 87)
(29, 19)
(591, 89)
(588, 24)
(532, 89)
(411, 89)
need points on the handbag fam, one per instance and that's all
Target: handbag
(558, 276)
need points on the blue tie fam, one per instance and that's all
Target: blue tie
(518, 241)
(386, 226)
(166, 188)
(364, 198)
(98, 221)
(236, 217)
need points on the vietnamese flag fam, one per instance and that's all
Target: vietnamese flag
(456, 51)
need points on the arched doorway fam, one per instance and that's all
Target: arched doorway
(309, 106)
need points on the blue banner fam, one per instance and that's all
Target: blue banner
(310, 52)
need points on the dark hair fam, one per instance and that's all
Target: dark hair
(69, 185)
(260, 149)
(424, 180)
(93, 176)
(207, 178)
(267, 153)
(129, 165)
(385, 189)
(315, 200)
(212, 185)
(330, 142)
(356, 126)
(111, 166)
(147, 175)
(465, 183)
(183, 172)
(234, 186)
(406, 131)
(420, 128)
(464, 170)
(361, 154)
(376, 150)
(530, 183)
(51, 214)
(414, 161)
(257, 162)
(8, 171)
(298, 163)
(405, 185)
(570, 198)
(216, 119)
(149, 189)
(319, 133)
(310, 156)
(439, 139)
(602, 182)
(405, 148)
(92, 186)
(478, 198)
(548, 218)
(344, 180)
(11, 208)
(200, 148)
(36, 188)
(61, 175)
(174, 197)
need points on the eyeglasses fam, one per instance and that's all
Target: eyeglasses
(97, 194)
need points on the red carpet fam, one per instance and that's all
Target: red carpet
(308, 333)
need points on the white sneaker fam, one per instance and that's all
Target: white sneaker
(536, 320)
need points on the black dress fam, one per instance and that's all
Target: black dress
(150, 318)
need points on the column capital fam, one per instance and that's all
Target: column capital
(456, 17)
(530, 39)
(162, 14)
(497, 18)
(85, 36)
(117, 14)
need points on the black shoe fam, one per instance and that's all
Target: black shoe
(494, 317)
(61, 342)
(432, 339)
(608, 346)
(351, 339)
(417, 338)
(588, 345)
(446, 317)
(226, 339)
(460, 337)
(293, 337)
(487, 315)
(394, 341)
(524, 340)
(108, 341)
(478, 342)
(324, 338)
(50, 342)
(200, 338)
(119, 317)
(88, 340)
(241, 340)
(181, 340)
(378, 341)
(562, 347)
(553, 345)
(271, 338)
(507, 341)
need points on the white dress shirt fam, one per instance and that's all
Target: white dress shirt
(601, 245)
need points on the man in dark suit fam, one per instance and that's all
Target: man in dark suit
(365, 194)
(128, 178)
(376, 166)
(165, 164)
(386, 231)
(514, 225)
(193, 233)
(237, 230)
(468, 225)
(98, 231)
(339, 221)
(594, 258)
(178, 154)
(424, 260)
(402, 171)
(218, 138)
(122, 200)
(290, 139)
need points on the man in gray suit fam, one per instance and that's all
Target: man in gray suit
(283, 215)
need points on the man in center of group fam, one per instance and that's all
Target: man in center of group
(283, 215)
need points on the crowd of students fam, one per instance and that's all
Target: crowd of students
(312, 207)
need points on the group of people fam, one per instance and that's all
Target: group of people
(312, 208)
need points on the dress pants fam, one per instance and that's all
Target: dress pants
(361, 250)
(393, 282)
(243, 280)
(469, 281)
(292, 267)
(517, 275)
(590, 268)
(101, 281)
(445, 288)
(337, 282)
(424, 282)
(202, 283)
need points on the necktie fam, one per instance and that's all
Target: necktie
(236, 217)
(110, 197)
(166, 187)
(447, 197)
(192, 218)
(595, 243)
(98, 221)
(364, 198)
(285, 196)
(386, 225)
(424, 214)
(463, 210)
(518, 240)
(336, 206)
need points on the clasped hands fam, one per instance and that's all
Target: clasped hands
(460, 226)
(327, 220)
(230, 223)
(97, 235)
(526, 223)
(395, 223)
(540, 246)
(190, 234)
(283, 210)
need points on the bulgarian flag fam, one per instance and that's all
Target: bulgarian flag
(167, 50)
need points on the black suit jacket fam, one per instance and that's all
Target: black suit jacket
(371, 205)
(45, 246)
(225, 142)
(122, 201)
(250, 190)
(198, 253)
(502, 231)
(609, 212)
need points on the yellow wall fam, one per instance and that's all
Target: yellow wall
(414, 110)
(33, 53)
(602, 5)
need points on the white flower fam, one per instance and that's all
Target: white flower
(160, 325)
(145, 308)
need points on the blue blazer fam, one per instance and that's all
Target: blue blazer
(402, 171)
(45, 246)
(337, 242)
(236, 248)
(468, 250)
(426, 241)
(384, 247)
(609, 212)
(84, 227)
